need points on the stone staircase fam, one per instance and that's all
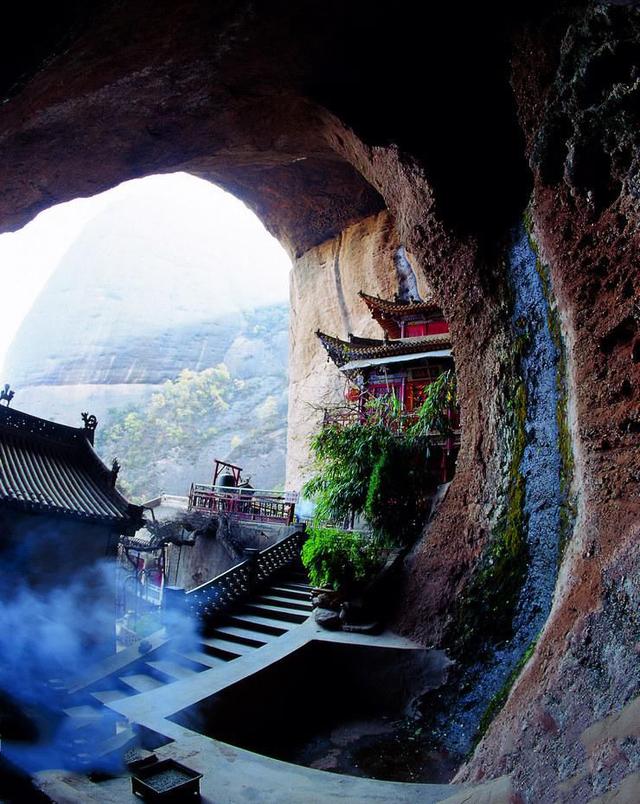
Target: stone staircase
(94, 735)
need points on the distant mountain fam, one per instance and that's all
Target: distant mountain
(142, 295)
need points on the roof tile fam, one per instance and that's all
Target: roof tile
(342, 352)
(45, 466)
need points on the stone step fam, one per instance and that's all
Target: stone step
(286, 602)
(225, 648)
(118, 744)
(82, 716)
(141, 682)
(84, 712)
(107, 696)
(297, 577)
(172, 669)
(296, 569)
(241, 636)
(296, 587)
(289, 593)
(117, 663)
(277, 612)
(261, 624)
(207, 659)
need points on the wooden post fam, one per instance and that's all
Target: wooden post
(251, 555)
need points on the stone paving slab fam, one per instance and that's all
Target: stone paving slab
(235, 776)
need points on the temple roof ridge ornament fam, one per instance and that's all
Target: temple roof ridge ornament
(115, 469)
(90, 421)
(6, 395)
(398, 306)
(90, 424)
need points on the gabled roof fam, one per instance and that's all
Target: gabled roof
(52, 468)
(399, 308)
(389, 313)
(343, 352)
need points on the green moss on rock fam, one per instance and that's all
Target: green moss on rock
(565, 445)
(485, 610)
(500, 698)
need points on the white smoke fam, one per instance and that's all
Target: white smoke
(50, 637)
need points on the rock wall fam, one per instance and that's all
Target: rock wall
(536, 103)
(569, 730)
(217, 551)
(325, 282)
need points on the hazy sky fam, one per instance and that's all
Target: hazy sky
(29, 256)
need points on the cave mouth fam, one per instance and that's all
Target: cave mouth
(336, 707)
(170, 286)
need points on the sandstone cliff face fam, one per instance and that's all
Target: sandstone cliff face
(325, 283)
(281, 129)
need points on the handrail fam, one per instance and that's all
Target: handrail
(218, 578)
(342, 418)
(246, 491)
(237, 583)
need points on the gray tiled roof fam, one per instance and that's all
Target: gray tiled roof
(398, 308)
(53, 468)
(343, 352)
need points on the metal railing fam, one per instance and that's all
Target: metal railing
(238, 583)
(255, 505)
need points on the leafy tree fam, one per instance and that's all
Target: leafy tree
(398, 495)
(344, 460)
(173, 426)
(378, 466)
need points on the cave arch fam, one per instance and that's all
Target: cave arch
(315, 137)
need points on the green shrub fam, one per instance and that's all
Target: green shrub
(379, 466)
(344, 460)
(398, 497)
(341, 560)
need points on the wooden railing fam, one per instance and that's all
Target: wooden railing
(346, 415)
(341, 416)
(255, 505)
(238, 583)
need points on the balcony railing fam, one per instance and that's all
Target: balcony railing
(344, 416)
(254, 505)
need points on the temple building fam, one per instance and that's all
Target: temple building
(414, 351)
(61, 515)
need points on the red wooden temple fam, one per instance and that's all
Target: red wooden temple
(414, 351)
